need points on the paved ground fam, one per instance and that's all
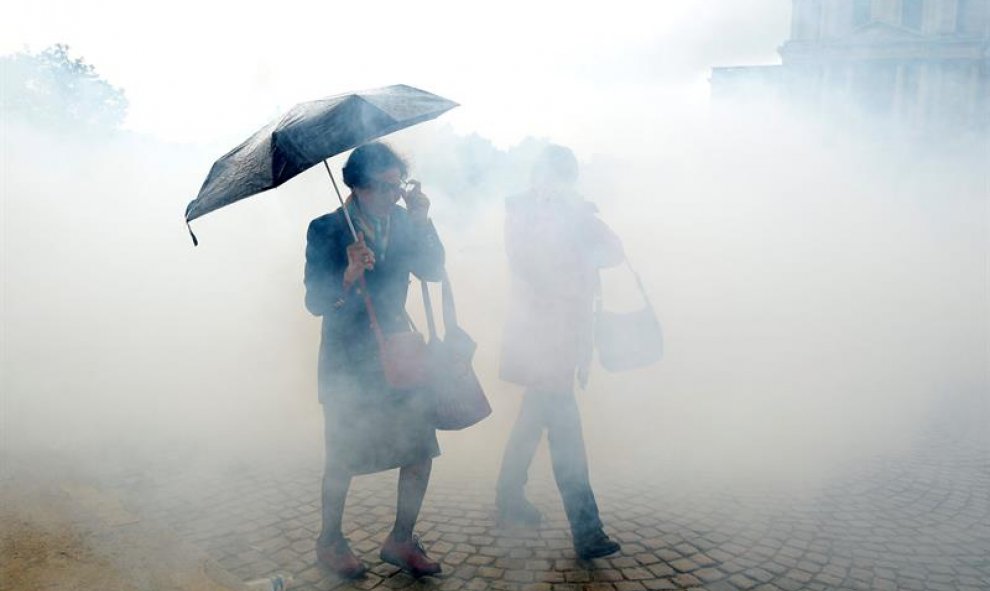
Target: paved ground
(915, 520)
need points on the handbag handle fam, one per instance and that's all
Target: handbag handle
(431, 324)
(447, 306)
(449, 309)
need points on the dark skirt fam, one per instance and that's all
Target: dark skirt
(370, 427)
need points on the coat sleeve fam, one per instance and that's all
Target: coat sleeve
(324, 274)
(604, 246)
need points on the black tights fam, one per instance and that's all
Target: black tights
(413, 480)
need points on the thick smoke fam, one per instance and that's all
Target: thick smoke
(822, 296)
(823, 288)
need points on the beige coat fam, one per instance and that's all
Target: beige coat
(555, 249)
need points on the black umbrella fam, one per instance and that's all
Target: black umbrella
(310, 133)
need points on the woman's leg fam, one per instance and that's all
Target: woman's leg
(525, 437)
(336, 482)
(570, 470)
(332, 550)
(413, 480)
(400, 548)
(570, 462)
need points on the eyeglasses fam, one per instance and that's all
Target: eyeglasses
(388, 188)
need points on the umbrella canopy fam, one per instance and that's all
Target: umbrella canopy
(308, 134)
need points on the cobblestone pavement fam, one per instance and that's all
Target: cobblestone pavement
(917, 521)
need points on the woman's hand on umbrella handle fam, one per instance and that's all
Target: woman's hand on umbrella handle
(360, 258)
(417, 204)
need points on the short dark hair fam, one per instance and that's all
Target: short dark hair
(370, 159)
(556, 162)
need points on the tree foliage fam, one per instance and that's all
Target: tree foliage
(53, 90)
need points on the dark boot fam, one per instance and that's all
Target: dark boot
(594, 544)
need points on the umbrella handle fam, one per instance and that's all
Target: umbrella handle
(372, 317)
(347, 215)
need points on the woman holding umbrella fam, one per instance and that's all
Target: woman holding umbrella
(369, 426)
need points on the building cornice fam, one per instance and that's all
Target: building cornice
(925, 48)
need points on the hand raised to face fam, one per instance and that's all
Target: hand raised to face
(417, 203)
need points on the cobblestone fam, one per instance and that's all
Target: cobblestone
(920, 521)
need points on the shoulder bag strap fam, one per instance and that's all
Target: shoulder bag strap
(449, 310)
(639, 285)
(372, 317)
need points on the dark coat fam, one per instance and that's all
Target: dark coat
(347, 342)
(369, 426)
(555, 249)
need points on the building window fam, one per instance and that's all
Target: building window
(862, 12)
(912, 13)
(807, 19)
(971, 16)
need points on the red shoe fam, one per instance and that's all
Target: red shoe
(410, 556)
(337, 556)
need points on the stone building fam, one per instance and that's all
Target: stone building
(922, 63)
